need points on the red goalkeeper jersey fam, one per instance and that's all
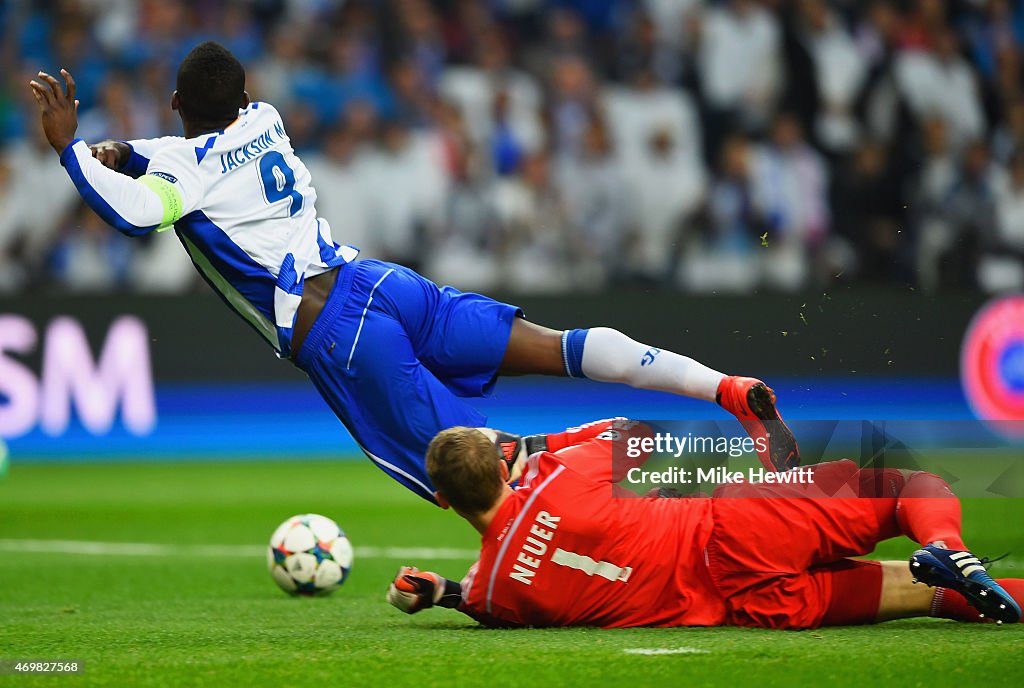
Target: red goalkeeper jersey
(566, 550)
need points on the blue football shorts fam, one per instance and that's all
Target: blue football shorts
(394, 355)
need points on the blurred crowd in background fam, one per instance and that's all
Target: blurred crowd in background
(548, 146)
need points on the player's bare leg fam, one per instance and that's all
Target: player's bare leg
(903, 596)
(928, 512)
(533, 350)
(944, 578)
(607, 355)
(900, 598)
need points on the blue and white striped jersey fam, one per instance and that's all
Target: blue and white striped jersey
(240, 201)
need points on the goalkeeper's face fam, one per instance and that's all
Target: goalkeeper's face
(466, 468)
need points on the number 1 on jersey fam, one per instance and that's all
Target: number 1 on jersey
(581, 562)
(279, 181)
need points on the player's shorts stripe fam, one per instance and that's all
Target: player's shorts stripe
(359, 330)
(391, 467)
(511, 532)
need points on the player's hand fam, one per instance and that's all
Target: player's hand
(414, 590)
(112, 154)
(517, 448)
(57, 107)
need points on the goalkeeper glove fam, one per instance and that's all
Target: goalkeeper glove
(514, 448)
(414, 590)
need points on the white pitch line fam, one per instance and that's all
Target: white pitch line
(665, 651)
(147, 549)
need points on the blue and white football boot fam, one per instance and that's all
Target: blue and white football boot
(960, 570)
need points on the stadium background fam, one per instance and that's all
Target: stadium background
(653, 165)
(824, 194)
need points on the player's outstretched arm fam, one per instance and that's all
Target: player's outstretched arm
(573, 436)
(133, 207)
(603, 450)
(413, 590)
(518, 448)
(60, 121)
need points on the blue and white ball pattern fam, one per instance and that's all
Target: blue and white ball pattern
(309, 555)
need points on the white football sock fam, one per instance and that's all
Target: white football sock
(610, 356)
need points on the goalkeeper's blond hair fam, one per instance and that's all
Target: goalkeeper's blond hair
(464, 466)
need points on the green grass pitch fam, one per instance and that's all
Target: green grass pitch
(187, 615)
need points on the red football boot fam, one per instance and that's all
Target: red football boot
(753, 404)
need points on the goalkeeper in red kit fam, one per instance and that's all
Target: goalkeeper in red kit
(566, 548)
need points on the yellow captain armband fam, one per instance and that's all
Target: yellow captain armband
(169, 196)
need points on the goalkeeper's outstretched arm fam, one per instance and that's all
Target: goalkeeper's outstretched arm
(516, 449)
(413, 590)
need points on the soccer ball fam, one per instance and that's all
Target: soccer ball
(309, 555)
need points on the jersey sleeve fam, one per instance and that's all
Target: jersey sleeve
(473, 606)
(132, 206)
(142, 151)
(603, 450)
(577, 435)
(175, 173)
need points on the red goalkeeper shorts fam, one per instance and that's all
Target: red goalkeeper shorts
(774, 548)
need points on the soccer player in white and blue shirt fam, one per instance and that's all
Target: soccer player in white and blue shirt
(391, 352)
